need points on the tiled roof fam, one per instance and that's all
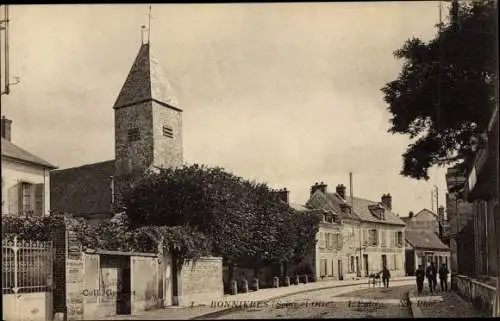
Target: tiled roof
(361, 211)
(330, 202)
(145, 81)
(424, 239)
(11, 150)
(82, 190)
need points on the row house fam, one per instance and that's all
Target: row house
(357, 237)
(25, 178)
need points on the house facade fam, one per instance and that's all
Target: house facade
(148, 135)
(423, 247)
(25, 178)
(357, 237)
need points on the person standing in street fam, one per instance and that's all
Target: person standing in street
(443, 277)
(420, 275)
(386, 275)
(431, 277)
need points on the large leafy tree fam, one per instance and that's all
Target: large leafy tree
(445, 93)
(244, 222)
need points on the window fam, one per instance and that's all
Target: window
(336, 241)
(328, 240)
(399, 239)
(351, 266)
(321, 240)
(168, 132)
(382, 241)
(133, 134)
(365, 237)
(27, 204)
(373, 237)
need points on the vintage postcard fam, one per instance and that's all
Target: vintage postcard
(250, 160)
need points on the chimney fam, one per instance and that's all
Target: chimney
(6, 128)
(321, 187)
(410, 215)
(283, 195)
(387, 201)
(340, 189)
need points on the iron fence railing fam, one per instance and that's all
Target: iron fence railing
(26, 266)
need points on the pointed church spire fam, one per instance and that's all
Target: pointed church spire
(146, 81)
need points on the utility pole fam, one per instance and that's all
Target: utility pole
(4, 27)
(432, 200)
(359, 226)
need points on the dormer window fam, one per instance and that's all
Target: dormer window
(378, 211)
(345, 208)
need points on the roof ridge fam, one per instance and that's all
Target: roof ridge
(36, 159)
(85, 165)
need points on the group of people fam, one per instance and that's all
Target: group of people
(431, 274)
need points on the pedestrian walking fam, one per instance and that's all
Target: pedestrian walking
(431, 277)
(420, 275)
(386, 275)
(443, 277)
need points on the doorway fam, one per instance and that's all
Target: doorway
(341, 271)
(123, 293)
(365, 261)
(384, 260)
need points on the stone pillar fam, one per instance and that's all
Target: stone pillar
(305, 278)
(297, 280)
(276, 282)
(255, 284)
(244, 285)
(68, 271)
(234, 287)
(286, 281)
(74, 277)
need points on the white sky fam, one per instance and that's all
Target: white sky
(287, 94)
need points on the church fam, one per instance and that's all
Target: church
(148, 136)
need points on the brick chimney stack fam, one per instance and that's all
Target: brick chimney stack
(321, 187)
(387, 201)
(6, 128)
(283, 195)
(340, 189)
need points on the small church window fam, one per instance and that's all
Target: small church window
(133, 134)
(168, 132)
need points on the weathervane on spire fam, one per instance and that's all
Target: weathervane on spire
(149, 23)
(148, 29)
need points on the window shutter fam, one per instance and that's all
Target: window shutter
(14, 201)
(39, 199)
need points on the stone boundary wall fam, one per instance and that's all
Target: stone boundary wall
(482, 296)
